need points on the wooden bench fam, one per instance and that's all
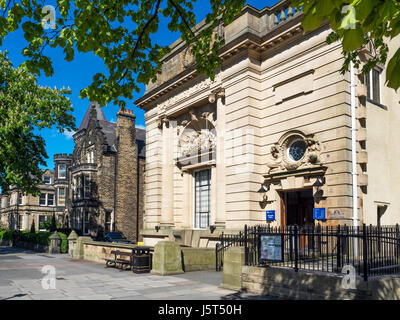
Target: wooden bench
(119, 260)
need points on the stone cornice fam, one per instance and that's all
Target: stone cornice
(248, 41)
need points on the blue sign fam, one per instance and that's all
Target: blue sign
(319, 214)
(270, 215)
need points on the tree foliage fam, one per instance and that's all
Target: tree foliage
(120, 33)
(24, 108)
(356, 24)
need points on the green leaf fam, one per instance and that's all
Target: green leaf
(352, 39)
(311, 20)
(393, 71)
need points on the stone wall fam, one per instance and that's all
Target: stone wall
(127, 167)
(141, 195)
(191, 259)
(97, 251)
(305, 285)
(232, 269)
(25, 245)
(198, 259)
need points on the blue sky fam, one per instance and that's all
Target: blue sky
(78, 75)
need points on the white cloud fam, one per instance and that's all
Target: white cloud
(140, 126)
(68, 134)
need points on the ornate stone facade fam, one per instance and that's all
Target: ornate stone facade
(278, 114)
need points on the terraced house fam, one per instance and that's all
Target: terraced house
(279, 132)
(18, 211)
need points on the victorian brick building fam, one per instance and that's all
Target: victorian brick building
(107, 175)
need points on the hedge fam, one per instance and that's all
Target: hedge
(5, 234)
(40, 237)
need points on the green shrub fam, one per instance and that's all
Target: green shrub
(44, 238)
(40, 237)
(64, 242)
(6, 234)
(33, 228)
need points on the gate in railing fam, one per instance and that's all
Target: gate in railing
(226, 241)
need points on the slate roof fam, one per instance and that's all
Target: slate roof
(110, 130)
(100, 115)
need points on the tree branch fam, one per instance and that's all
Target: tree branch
(141, 36)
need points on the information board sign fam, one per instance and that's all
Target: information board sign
(270, 247)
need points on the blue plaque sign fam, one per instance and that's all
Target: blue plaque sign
(319, 214)
(270, 215)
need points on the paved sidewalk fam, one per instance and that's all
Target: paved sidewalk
(21, 277)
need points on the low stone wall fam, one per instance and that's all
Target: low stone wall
(232, 268)
(6, 243)
(198, 259)
(305, 285)
(97, 251)
(26, 245)
(191, 259)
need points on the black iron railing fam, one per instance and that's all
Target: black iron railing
(226, 241)
(370, 250)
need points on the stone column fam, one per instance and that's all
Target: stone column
(187, 215)
(73, 236)
(55, 243)
(214, 195)
(167, 197)
(220, 217)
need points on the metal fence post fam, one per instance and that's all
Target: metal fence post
(338, 262)
(365, 255)
(397, 242)
(246, 249)
(296, 257)
(216, 257)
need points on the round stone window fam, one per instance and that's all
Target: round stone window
(296, 150)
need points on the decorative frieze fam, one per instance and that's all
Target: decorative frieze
(195, 89)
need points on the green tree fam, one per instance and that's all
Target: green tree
(120, 33)
(50, 224)
(24, 107)
(356, 24)
(33, 228)
(53, 225)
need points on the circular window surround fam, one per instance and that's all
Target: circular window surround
(290, 143)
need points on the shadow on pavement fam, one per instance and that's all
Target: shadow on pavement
(241, 295)
(14, 250)
(19, 295)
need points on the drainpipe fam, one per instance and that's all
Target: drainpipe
(353, 144)
(354, 152)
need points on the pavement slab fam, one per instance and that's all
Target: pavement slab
(21, 279)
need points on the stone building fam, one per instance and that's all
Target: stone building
(107, 175)
(279, 113)
(18, 211)
(100, 187)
